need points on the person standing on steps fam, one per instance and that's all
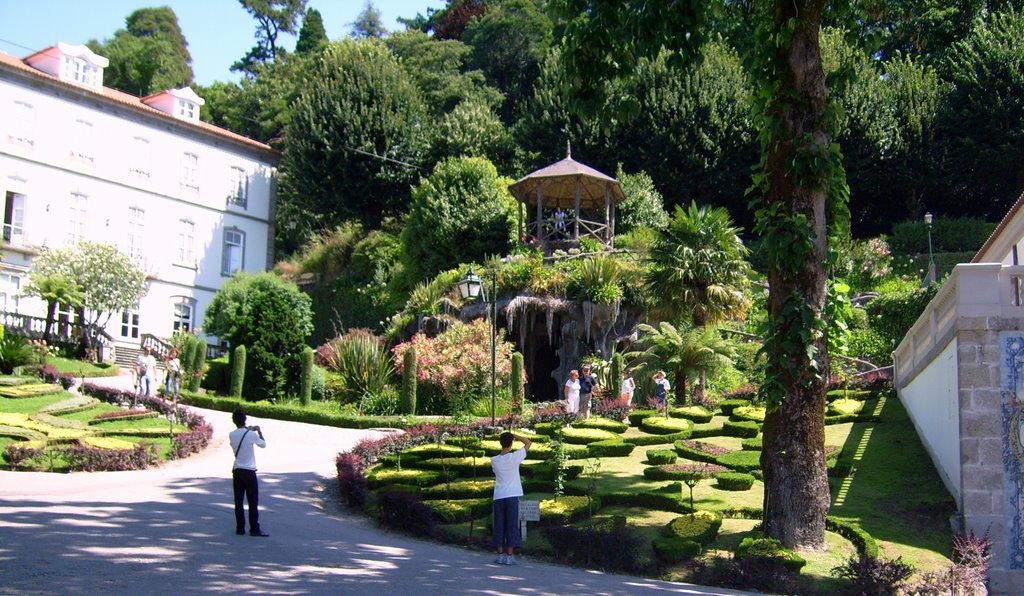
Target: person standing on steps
(508, 487)
(243, 473)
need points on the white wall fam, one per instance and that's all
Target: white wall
(932, 400)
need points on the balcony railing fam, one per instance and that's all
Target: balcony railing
(973, 290)
(61, 330)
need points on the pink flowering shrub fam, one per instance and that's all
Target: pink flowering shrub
(458, 361)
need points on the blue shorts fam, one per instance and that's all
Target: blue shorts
(506, 523)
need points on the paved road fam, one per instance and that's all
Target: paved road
(171, 530)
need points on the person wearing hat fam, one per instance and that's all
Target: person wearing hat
(243, 473)
(588, 384)
(661, 389)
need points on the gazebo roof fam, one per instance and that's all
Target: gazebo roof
(558, 183)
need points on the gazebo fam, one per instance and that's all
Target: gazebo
(581, 200)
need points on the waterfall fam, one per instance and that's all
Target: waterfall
(588, 317)
(550, 321)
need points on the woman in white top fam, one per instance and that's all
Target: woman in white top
(628, 386)
(571, 391)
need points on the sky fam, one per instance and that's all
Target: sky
(219, 32)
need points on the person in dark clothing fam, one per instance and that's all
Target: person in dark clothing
(588, 384)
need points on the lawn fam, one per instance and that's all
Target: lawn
(82, 368)
(893, 493)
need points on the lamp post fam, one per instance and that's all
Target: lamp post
(471, 287)
(931, 257)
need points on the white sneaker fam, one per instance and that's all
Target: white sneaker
(501, 560)
(509, 560)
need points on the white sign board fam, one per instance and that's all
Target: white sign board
(529, 511)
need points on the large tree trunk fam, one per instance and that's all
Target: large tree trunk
(796, 495)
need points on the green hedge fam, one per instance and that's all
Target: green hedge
(863, 541)
(666, 498)
(615, 426)
(699, 526)
(845, 407)
(637, 416)
(666, 426)
(737, 481)
(218, 375)
(461, 466)
(752, 444)
(670, 551)
(383, 476)
(435, 450)
(645, 440)
(745, 461)
(746, 428)
(584, 436)
(610, 448)
(758, 545)
(296, 413)
(858, 394)
(460, 510)
(696, 414)
(694, 454)
(539, 450)
(755, 413)
(728, 405)
(660, 457)
(567, 509)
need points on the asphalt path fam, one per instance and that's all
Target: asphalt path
(170, 529)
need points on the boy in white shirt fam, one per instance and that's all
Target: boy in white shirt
(507, 489)
(243, 473)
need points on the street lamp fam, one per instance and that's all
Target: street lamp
(931, 257)
(471, 287)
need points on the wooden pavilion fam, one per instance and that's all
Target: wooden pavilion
(569, 200)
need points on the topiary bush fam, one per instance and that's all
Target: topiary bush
(516, 378)
(407, 401)
(461, 510)
(699, 526)
(607, 424)
(198, 362)
(757, 545)
(608, 544)
(567, 509)
(584, 436)
(673, 550)
(379, 477)
(306, 379)
(237, 372)
(683, 471)
(746, 428)
(406, 513)
(459, 489)
(696, 414)
(638, 416)
(845, 407)
(664, 426)
(728, 405)
(755, 413)
(745, 461)
(735, 481)
(610, 448)
(754, 444)
(660, 457)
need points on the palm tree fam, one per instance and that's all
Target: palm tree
(699, 269)
(686, 352)
(54, 290)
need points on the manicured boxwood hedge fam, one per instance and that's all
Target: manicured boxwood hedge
(863, 541)
(435, 450)
(645, 440)
(567, 509)
(694, 454)
(859, 394)
(758, 545)
(659, 457)
(675, 550)
(460, 489)
(680, 471)
(615, 426)
(382, 476)
(461, 466)
(755, 413)
(737, 481)
(637, 416)
(753, 444)
(539, 450)
(700, 526)
(583, 436)
(746, 428)
(610, 448)
(845, 407)
(460, 510)
(666, 498)
(745, 461)
(697, 414)
(666, 426)
(728, 405)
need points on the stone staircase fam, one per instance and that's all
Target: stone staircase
(125, 357)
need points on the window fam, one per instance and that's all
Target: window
(187, 243)
(238, 189)
(130, 324)
(78, 216)
(23, 120)
(234, 251)
(82, 141)
(14, 219)
(190, 171)
(10, 292)
(77, 70)
(140, 157)
(136, 232)
(186, 109)
(184, 310)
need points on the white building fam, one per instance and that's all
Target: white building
(193, 203)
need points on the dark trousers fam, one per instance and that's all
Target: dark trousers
(246, 486)
(506, 523)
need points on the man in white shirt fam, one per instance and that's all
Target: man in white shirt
(507, 489)
(243, 473)
(145, 369)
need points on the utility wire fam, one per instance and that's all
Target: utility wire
(406, 164)
(17, 45)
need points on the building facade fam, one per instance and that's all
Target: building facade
(191, 203)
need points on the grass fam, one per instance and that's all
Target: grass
(82, 368)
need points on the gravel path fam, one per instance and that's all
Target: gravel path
(171, 530)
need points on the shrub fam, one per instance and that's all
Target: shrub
(967, 574)
(382, 477)
(638, 416)
(584, 436)
(612, 408)
(757, 545)
(845, 407)
(610, 544)
(361, 362)
(755, 413)
(461, 466)
(746, 428)
(82, 458)
(757, 573)
(728, 405)
(460, 489)
(675, 550)
(407, 403)
(15, 351)
(753, 444)
(699, 526)
(565, 510)
(404, 512)
(737, 481)
(698, 451)
(610, 448)
(697, 414)
(598, 422)
(306, 378)
(871, 575)
(644, 440)
(661, 456)
(664, 426)
(199, 357)
(516, 377)
(383, 402)
(23, 451)
(741, 460)
(681, 471)
(863, 541)
(460, 510)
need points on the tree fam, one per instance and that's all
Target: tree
(273, 17)
(643, 207)
(272, 318)
(461, 212)
(473, 129)
(800, 192)
(368, 23)
(698, 267)
(357, 134)
(687, 352)
(108, 280)
(312, 35)
(54, 290)
(150, 55)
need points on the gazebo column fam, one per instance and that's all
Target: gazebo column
(607, 217)
(611, 243)
(576, 219)
(540, 217)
